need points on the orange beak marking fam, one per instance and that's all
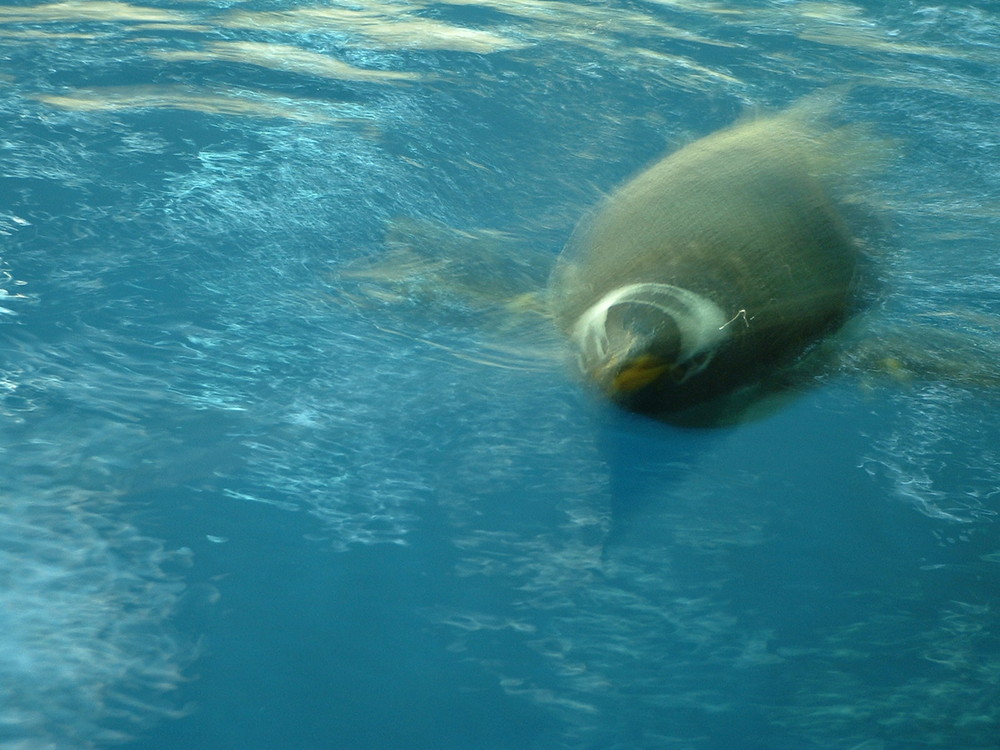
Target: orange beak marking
(641, 372)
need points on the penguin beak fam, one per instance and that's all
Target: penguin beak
(639, 373)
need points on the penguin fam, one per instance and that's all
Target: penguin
(699, 284)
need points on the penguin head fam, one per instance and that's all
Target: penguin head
(645, 344)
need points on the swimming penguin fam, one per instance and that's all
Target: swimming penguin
(698, 283)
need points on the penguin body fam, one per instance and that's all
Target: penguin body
(710, 272)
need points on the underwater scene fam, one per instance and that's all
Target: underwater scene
(306, 352)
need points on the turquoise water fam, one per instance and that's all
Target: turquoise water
(251, 500)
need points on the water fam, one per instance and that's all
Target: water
(249, 502)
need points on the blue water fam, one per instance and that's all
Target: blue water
(247, 501)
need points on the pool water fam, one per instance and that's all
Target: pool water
(255, 494)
